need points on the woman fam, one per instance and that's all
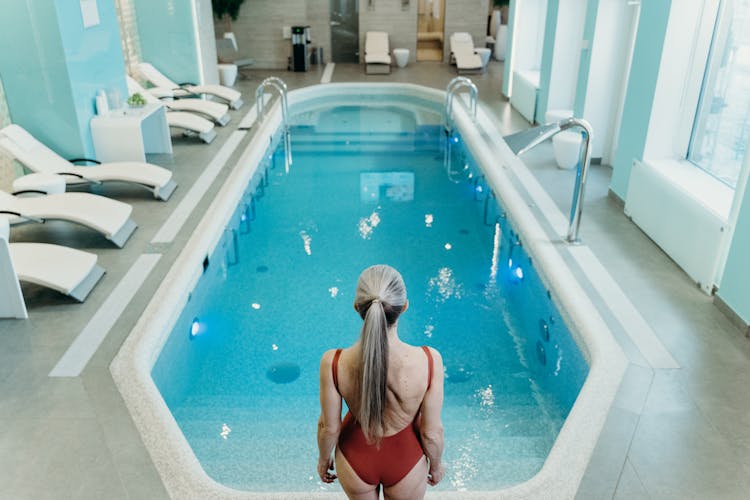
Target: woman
(392, 435)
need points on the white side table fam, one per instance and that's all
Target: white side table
(46, 183)
(127, 135)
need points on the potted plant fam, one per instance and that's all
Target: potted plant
(227, 11)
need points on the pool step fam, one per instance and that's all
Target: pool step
(303, 141)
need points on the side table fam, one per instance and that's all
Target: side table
(127, 135)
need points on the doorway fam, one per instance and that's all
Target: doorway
(430, 24)
(344, 31)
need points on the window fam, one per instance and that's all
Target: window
(721, 130)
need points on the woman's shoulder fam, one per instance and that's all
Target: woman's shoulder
(327, 358)
(421, 348)
(435, 354)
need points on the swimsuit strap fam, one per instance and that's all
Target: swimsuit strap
(335, 369)
(429, 365)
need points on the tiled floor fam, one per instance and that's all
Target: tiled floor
(681, 433)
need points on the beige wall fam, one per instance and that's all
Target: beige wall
(259, 29)
(259, 26)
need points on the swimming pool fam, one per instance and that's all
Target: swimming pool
(465, 267)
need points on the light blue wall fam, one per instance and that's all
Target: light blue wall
(735, 283)
(509, 48)
(35, 75)
(639, 97)
(167, 38)
(94, 59)
(548, 52)
(52, 67)
(589, 29)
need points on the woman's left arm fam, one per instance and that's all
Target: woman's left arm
(329, 424)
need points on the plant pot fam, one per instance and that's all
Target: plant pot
(495, 22)
(500, 41)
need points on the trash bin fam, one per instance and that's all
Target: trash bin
(300, 40)
(316, 55)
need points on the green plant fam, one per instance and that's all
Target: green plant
(228, 8)
(227, 11)
(136, 100)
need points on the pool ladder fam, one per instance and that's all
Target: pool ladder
(280, 86)
(454, 86)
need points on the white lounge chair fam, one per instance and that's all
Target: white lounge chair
(109, 217)
(377, 53)
(158, 79)
(463, 55)
(37, 157)
(66, 270)
(214, 111)
(188, 122)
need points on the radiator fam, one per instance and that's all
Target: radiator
(683, 226)
(523, 95)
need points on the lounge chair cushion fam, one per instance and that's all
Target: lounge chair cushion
(39, 158)
(158, 79)
(189, 121)
(376, 48)
(53, 266)
(217, 111)
(102, 214)
(462, 52)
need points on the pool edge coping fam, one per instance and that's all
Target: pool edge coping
(179, 469)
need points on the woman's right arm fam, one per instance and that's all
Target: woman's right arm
(329, 424)
(431, 426)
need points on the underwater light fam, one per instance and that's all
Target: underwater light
(243, 217)
(516, 273)
(195, 328)
(455, 139)
(479, 189)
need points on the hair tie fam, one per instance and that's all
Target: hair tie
(375, 301)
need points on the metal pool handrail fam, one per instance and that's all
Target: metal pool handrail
(453, 86)
(521, 142)
(280, 86)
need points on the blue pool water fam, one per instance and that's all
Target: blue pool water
(368, 185)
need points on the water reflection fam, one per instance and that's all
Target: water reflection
(368, 224)
(225, 430)
(445, 285)
(306, 241)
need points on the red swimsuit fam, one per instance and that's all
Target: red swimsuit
(397, 454)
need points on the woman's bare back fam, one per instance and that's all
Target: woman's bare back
(407, 383)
